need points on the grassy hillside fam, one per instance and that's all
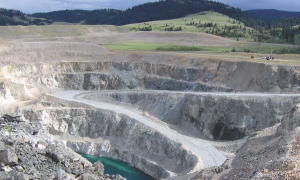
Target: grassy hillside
(114, 38)
(186, 23)
(152, 11)
(207, 22)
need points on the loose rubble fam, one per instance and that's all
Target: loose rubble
(28, 152)
(273, 153)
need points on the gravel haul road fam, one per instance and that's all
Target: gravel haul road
(208, 155)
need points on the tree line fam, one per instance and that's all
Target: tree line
(16, 17)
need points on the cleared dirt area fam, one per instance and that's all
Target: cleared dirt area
(106, 34)
(189, 39)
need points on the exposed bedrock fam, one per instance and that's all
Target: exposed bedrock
(199, 75)
(225, 118)
(219, 117)
(104, 133)
(272, 153)
(290, 121)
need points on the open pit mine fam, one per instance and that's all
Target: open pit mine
(173, 116)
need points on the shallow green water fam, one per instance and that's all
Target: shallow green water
(112, 166)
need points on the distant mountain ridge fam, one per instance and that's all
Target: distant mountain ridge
(160, 10)
(272, 14)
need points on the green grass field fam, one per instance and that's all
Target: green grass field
(150, 46)
(247, 47)
(243, 51)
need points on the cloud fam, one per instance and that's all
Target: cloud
(290, 5)
(31, 6)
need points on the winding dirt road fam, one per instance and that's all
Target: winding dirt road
(207, 154)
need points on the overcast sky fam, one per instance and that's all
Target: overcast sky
(31, 6)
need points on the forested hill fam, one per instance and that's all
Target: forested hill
(161, 10)
(80, 16)
(15, 17)
(272, 14)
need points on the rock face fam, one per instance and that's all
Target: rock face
(230, 117)
(291, 121)
(26, 156)
(272, 153)
(117, 136)
(197, 75)
(8, 157)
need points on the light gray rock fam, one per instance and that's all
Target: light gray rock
(123, 138)
(19, 176)
(87, 177)
(8, 157)
(216, 117)
(2, 146)
(60, 174)
(98, 167)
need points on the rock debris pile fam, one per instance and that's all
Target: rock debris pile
(27, 152)
(273, 153)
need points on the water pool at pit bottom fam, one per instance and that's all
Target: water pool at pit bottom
(112, 166)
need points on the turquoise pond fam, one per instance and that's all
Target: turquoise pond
(112, 167)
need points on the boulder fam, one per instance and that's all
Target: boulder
(99, 168)
(19, 176)
(8, 157)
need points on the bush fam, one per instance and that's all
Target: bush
(247, 50)
(288, 51)
(7, 128)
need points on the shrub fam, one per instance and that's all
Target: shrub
(7, 128)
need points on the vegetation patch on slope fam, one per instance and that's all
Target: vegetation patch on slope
(209, 22)
(150, 46)
(179, 48)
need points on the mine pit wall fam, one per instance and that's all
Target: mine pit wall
(104, 133)
(225, 118)
(199, 75)
(215, 117)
